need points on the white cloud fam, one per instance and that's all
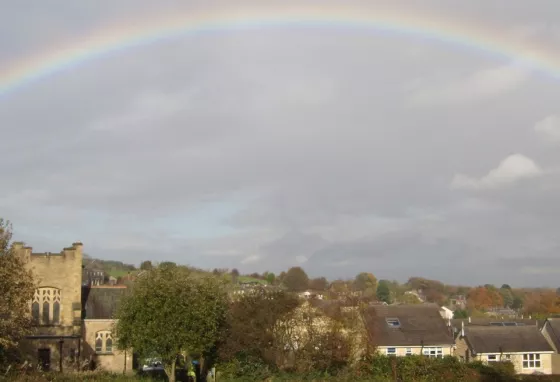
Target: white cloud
(480, 85)
(549, 128)
(250, 259)
(510, 170)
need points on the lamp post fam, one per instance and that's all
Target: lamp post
(60, 343)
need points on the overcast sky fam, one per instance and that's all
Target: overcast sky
(341, 150)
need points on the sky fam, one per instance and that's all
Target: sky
(334, 148)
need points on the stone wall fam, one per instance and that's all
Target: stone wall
(113, 361)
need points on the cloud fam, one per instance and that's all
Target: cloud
(476, 87)
(510, 170)
(549, 128)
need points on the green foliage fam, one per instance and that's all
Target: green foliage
(146, 265)
(170, 311)
(366, 283)
(296, 279)
(383, 291)
(110, 267)
(16, 290)
(507, 296)
(461, 313)
(517, 302)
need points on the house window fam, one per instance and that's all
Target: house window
(103, 342)
(492, 358)
(393, 322)
(433, 352)
(45, 306)
(531, 361)
(408, 351)
(391, 351)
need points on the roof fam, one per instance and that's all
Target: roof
(505, 339)
(101, 302)
(487, 321)
(418, 325)
(552, 326)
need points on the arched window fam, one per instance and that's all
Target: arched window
(104, 342)
(46, 306)
(46, 312)
(56, 313)
(35, 312)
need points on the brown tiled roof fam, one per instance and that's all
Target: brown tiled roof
(552, 326)
(420, 325)
(506, 339)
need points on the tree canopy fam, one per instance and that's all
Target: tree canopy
(296, 279)
(172, 311)
(16, 290)
(383, 291)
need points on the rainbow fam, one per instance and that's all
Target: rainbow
(110, 40)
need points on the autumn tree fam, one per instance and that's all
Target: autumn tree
(482, 298)
(366, 283)
(16, 291)
(249, 332)
(296, 279)
(172, 311)
(319, 283)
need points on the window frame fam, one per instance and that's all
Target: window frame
(408, 352)
(493, 359)
(392, 351)
(530, 361)
(103, 336)
(46, 299)
(433, 352)
(393, 322)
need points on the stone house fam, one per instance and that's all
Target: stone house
(524, 346)
(67, 330)
(551, 331)
(402, 330)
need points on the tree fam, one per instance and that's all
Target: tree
(517, 303)
(505, 286)
(507, 296)
(296, 279)
(460, 313)
(383, 291)
(249, 333)
(234, 275)
(319, 283)
(365, 281)
(16, 291)
(171, 312)
(482, 298)
(146, 265)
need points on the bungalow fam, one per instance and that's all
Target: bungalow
(551, 331)
(524, 346)
(401, 330)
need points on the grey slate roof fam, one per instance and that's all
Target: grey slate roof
(101, 302)
(506, 339)
(552, 326)
(420, 325)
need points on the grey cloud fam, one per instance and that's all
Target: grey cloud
(304, 138)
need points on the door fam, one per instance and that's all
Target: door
(44, 356)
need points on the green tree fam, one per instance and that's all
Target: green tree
(507, 296)
(270, 277)
(296, 280)
(146, 265)
(170, 312)
(383, 291)
(505, 286)
(460, 313)
(517, 303)
(234, 275)
(16, 290)
(365, 281)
